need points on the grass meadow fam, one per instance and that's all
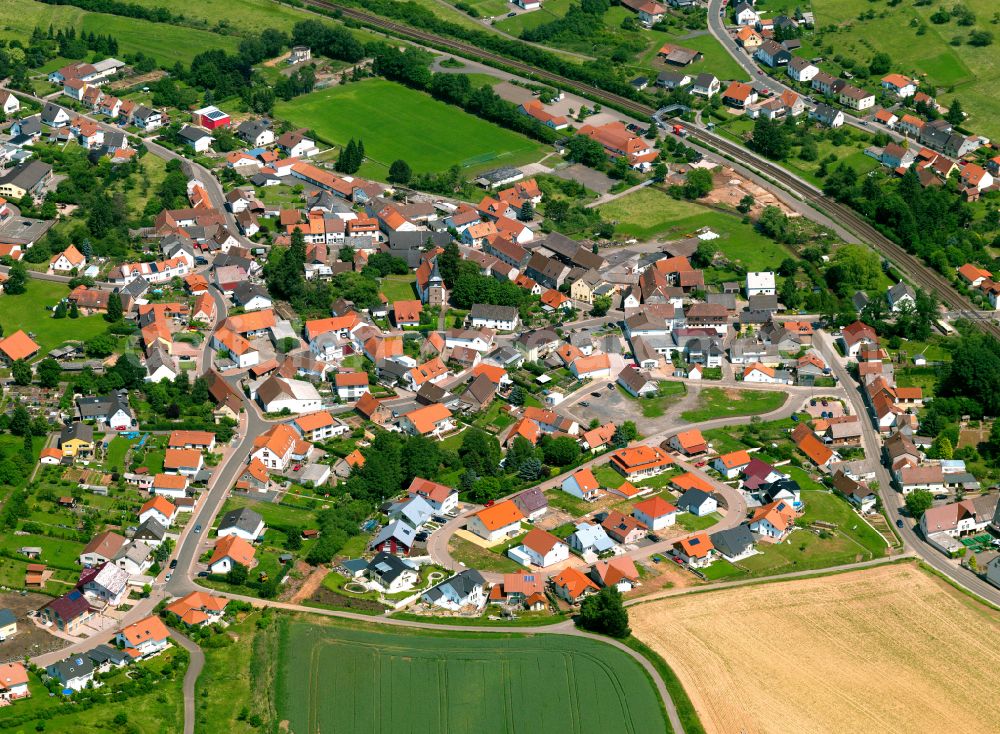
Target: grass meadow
(30, 312)
(396, 122)
(962, 71)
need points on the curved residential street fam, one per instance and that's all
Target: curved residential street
(758, 72)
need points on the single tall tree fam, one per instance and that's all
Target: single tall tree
(115, 310)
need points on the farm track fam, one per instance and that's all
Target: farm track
(918, 272)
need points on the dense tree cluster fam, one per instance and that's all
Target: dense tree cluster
(605, 612)
(932, 222)
(351, 157)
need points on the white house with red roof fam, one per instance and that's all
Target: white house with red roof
(443, 499)
(540, 548)
(655, 513)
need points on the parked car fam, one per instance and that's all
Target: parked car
(585, 403)
(173, 564)
(596, 394)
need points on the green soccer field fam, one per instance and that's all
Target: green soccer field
(355, 680)
(396, 122)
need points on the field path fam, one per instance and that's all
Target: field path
(190, 677)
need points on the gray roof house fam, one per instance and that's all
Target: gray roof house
(531, 502)
(696, 502)
(415, 511)
(734, 543)
(244, 522)
(396, 537)
(467, 588)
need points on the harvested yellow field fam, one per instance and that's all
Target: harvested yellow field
(888, 649)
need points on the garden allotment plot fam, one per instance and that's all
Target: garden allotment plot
(338, 679)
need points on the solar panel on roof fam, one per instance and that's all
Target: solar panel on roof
(695, 541)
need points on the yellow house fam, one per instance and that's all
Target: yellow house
(583, 288)
(77, 439)
(8, 624)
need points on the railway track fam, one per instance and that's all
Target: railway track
(916, 270)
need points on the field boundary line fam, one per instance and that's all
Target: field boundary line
(791, 576)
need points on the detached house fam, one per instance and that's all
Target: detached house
(774, 520)
(541, 549)
(465, 589)
(901, 86)
(496, 523)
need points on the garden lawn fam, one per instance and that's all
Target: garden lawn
(717, 402)
(396, 122)
(693, 522)
(273, 514)
(722, 570)
(399, 287)
(30, 312)
(166, 43)
(539, 683)
(55, 551)
(474, 556)
(116, 452)
(160, 710)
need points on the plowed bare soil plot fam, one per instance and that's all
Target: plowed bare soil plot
(889, 649)
(344, 679)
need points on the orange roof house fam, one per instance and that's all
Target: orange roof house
(690, 480)
(641, 461)
(738, 93)
(572, 585)
(779, 515)
(161, 504)
(18, 346)
(491, 522)
(554, 299)
(252, 322)
(428, 419)
(619, 141)
(582, 483)
(407, 313)
(973, 275)
(616, 571)
(689, 442)
(525, 428)
(235, 548)
(427, 372)
(536, 109)
(198, 608)
(818, 452)
(144, 636)
(697, 547)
